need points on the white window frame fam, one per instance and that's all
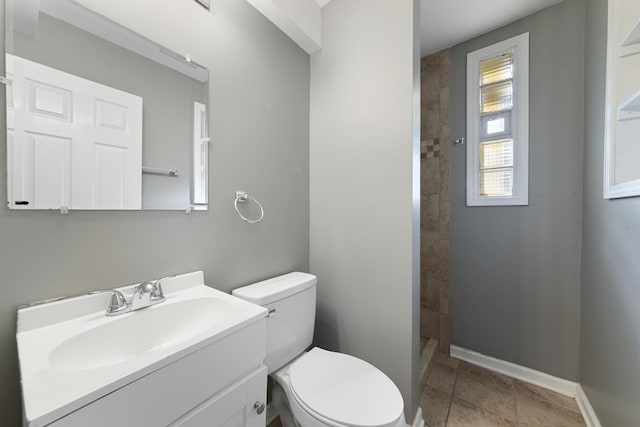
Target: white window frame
(519, 122)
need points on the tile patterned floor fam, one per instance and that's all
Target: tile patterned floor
(458, 394)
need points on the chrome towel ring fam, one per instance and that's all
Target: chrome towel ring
(242, 197)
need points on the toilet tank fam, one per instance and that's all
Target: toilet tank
(291, 301)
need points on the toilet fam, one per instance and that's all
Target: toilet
(317, 388)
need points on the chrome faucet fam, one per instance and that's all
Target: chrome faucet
(145, 294)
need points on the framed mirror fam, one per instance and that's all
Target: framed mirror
(622, 128)
(99, 117)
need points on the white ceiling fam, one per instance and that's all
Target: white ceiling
(445, 23)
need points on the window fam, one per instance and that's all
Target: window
(498, 124)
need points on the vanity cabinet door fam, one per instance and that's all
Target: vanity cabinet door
(234, 407)
(256, 395)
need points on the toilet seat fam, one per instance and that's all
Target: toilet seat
(339, 389)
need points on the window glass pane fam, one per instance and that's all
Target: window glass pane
(496, 182)
(496, 69)
(495, 125)
(496, 154)
(496, 97)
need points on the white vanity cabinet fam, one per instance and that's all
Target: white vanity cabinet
(221, 384)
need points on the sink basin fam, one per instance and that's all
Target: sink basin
(132, 334)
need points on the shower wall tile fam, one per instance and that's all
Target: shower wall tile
(432, 83)
(434, 280)
(435, 218)
(433, 115)
(444, 340)
(431, 254)
(430, 181)
(444, 218)
(445, 180)
(445, 296)
(432, 59)
(444, 107)
(445, 251)
(445, 137)
(433, 324)
(433, 212)
(424, 322)
(445, 67)
(423, 297)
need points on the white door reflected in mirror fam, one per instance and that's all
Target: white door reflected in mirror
(74, 143)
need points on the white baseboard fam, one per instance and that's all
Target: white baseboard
(418, 421)
(559, 385)
(589, 415)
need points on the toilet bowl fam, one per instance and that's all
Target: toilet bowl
(317, 388)
(325, 388)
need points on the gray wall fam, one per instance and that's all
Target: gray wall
(515, 272)
(610, 296)
(364, 186)
(259, 119)
(168, 98)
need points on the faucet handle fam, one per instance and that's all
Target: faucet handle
(118, 302)
(157, 293)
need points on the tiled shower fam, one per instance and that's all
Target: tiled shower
(435, 199)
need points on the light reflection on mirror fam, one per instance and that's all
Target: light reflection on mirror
(99, 117)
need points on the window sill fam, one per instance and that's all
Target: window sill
(497, 201)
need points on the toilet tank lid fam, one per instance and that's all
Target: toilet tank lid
(276, 288)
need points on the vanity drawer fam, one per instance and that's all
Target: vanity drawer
(165, 395)
(233, 407)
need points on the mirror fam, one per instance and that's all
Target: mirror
(99, 117)
(622, 133)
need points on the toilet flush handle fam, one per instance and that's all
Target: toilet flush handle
(259, 407)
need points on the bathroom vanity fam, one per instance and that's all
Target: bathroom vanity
(195, 359)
